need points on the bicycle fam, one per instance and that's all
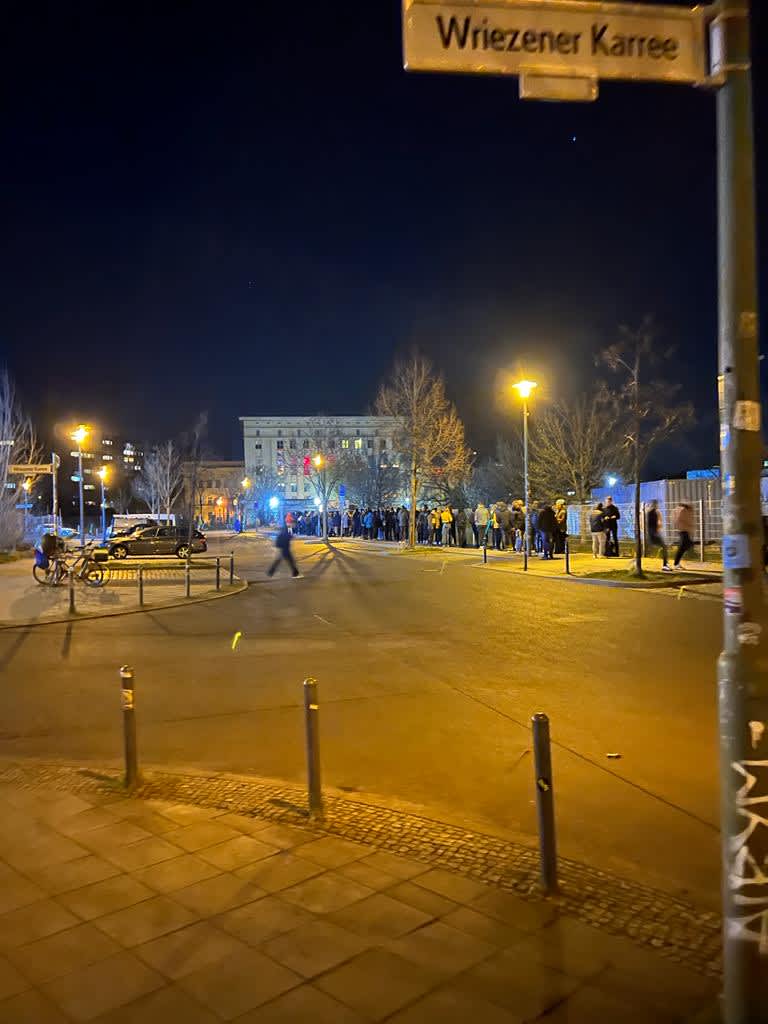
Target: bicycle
(84, 567)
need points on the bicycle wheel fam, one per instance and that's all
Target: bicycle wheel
(45, 576)
(92, 574)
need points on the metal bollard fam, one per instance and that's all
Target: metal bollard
(187, 580)
(71, 575)
(485, 554)
(567, 557)
(313, 746)
(525, 557)
(140, 582)
(218, 574)
(129, 727)
(232, 569)
(545, 802)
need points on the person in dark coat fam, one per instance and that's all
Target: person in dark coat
(283, 545)
(611, 517)
(546, 524)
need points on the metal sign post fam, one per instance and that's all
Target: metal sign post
(742, 685)
(560, 49)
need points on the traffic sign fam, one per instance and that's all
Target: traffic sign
(24, 504)
(556, 39)
(30, 468)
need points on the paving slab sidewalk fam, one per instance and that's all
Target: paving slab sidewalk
(118, 910)
(24, 601)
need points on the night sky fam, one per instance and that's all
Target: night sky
(251, 209)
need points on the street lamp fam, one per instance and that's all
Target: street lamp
(245, 484)
(322, 505)
(27, 485)
(102, 475)
(79, 435)
(524, 389)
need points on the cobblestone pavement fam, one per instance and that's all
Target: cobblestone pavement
(673, 929)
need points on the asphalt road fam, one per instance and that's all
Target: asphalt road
(428, 676)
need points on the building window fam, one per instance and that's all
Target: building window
(107, 458)
(258, 433)
(292, 445)
(279, 433)
(280, 444)
(305, 444)
(294, 488)
(358, 443)
(257, 447)
(106, 441)
(345, 443)
(370, 443)
(384, 443)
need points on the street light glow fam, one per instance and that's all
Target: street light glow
(27, 485)
(102, 473)
(611, 481)
(525, 387)
(79, 434)
(273, 503)
(318, 460)
(245, 483)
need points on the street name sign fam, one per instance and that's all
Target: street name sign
(30, 468)
(556, 39)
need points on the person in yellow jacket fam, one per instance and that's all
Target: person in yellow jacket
(435, 524)
(446, 518)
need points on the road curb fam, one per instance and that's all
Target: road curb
(652, 919)
(114, 613)
(672, 584)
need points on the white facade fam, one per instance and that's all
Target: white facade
(280, 444)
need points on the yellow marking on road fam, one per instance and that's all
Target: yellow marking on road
(236, 639)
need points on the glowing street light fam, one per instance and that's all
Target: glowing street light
(611, 481)
(273, 503)
(525, 389)
(318, 460)
(245, 483)
(79, 435)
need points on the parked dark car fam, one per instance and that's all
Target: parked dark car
(158, 540)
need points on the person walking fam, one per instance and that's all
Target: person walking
(498, 531)
(684, 526)
(655, 534)
(283, 545)
(446, 518)
(597, 529)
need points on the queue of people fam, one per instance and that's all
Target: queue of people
(499, 525)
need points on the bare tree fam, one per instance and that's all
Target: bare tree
(649, 412)
(263, 484)
(18, 444)
(428, 432)
(328, 463)
(370, 482)
(574, 444)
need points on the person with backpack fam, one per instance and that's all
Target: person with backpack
(684, 525)
(283, 545)
(655, 535)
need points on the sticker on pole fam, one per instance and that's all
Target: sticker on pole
(746, 416)
(127, 700)
(734, 600)
(736, 551)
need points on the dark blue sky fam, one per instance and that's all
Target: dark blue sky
(251, 208)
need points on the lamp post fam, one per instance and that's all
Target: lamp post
(320, 465)
(26, 486)
(245, 483)
(102, 475)
(78, 436)
(524, 389)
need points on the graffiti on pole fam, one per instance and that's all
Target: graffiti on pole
(746, 870)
